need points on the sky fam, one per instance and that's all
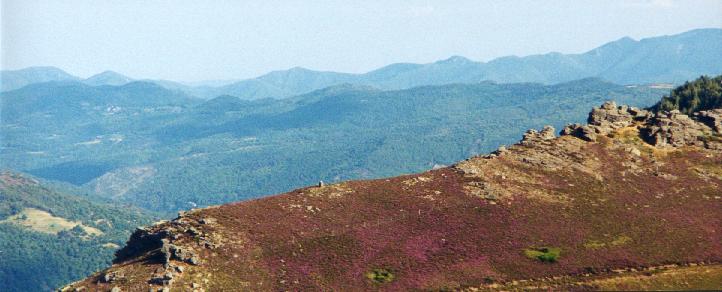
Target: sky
(193, 40)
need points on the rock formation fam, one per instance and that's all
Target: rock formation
(605, 119)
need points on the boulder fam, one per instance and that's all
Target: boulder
(532, 136)
(610, 116)
(111, 277)
(584, 132)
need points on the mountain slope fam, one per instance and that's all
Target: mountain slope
(547, 213)
(14, 79)
(48, 238)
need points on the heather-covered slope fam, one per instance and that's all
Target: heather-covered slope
(629, 191)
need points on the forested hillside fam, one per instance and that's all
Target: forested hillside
(159, 149)
(703, 93)
(49, 238)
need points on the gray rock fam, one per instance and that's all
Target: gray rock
(609, 116)
(532, 136)
(194, 260)
(584, 132)
(711, 118)
(111, 277)
(604, 120)
(676, 129)
(635, 152)
(547, 133)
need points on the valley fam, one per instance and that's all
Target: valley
(165, 151)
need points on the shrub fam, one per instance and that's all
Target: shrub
(380, 276)
(543, 254)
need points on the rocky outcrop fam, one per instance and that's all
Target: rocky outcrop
(174, 252)
(172, 244)
(605, 119)
(675, 129)
(609, 115)
(142, 241)
(531, 136)
(662, 129)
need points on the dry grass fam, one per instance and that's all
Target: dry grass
(683, 278)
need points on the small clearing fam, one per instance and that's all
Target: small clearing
(42, 221)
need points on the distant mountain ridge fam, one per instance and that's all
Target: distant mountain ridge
(14, 79)
(669, 59)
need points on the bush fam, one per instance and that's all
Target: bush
(380, 276)
(544, 254)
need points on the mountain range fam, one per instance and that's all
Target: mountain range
(665, 59)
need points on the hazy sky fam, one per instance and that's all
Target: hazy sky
(200, 40)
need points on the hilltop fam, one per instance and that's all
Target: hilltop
(629, 200)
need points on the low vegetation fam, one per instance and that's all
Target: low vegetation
(380, 276)
(544, 254)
